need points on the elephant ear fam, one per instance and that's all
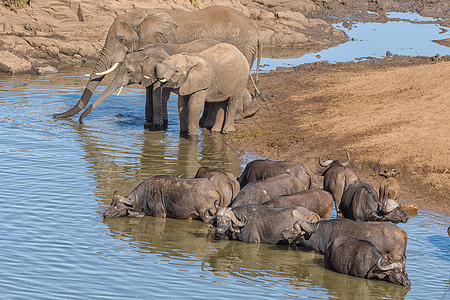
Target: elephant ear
(199, 76)
(157, 27)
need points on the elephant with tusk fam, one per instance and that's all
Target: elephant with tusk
(134, 30)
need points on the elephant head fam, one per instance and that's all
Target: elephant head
(137, 68)
(128, 33)
(188, 73)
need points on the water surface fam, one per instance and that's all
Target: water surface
(57, 178)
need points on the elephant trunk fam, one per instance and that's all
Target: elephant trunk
(160, 72)
(103, 63)
(106, 93)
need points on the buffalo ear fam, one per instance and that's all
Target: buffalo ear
(199, 76)
(309, 228)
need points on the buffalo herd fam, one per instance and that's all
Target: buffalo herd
(274, 202)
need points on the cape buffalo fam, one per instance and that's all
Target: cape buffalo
(167, 196)
(318, 201)
(336, 178)
(258, 192)
(261, 169)
(360, 258)
(225, 181)
(256, 223)
(389, 239)
(360, 203)
(389, 188)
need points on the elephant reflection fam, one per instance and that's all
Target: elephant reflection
(134, 30)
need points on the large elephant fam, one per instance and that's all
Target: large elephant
(134, 30)
(218, 74)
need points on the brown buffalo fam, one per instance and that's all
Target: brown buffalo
(336, 178)
(360, 258)
(224, 181)
(258, 192)
(256, 223)
(360, 202)
(389, 188)
(389, 238)
(261, 169)
(167, 196)
(318, 201)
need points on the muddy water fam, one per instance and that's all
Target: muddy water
(57, 178)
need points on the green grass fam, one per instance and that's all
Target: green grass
(15, 3)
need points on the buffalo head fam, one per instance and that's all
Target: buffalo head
(392, 272)
(225, 221)
(392, 212)
(297, 230)
(122, 206)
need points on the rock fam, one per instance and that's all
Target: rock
(408, 207)
(45, 69)
(11, 63)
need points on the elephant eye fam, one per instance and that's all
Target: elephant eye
(128, 71)
(121, 40)
(177, 71)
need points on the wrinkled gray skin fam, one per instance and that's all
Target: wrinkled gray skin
(360, 258)
(318, 201)
(134, 30)
(261, 191)
(389, 188)
(389, 239)
(257, 223)
(218, 74)
(224, 181)
(336, 178)
(166, 196)
(139, 68)
(360, 202)
(261, 169)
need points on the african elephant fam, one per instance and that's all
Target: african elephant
(138, 67)
(134, 30)
(217, 74)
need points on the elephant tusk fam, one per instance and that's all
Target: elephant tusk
(120, 90)
(163, 80)
(109, 70)
(87, 75)
(146, 77)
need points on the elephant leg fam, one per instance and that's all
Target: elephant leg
(183, 112)
(219, 113)
(160, 97)
(195, 104)
(250, 104)
(149, 106)
(231, 113)
(211, 110)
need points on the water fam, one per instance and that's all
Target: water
(57, 178)
(406, 34)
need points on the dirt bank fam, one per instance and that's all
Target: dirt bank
(389, 113)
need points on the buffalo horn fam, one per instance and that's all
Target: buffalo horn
(348, 159)
(109, 70)
(388, 267)
(208, 214)
(389, 205)
(235, 220)
(324, 163)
